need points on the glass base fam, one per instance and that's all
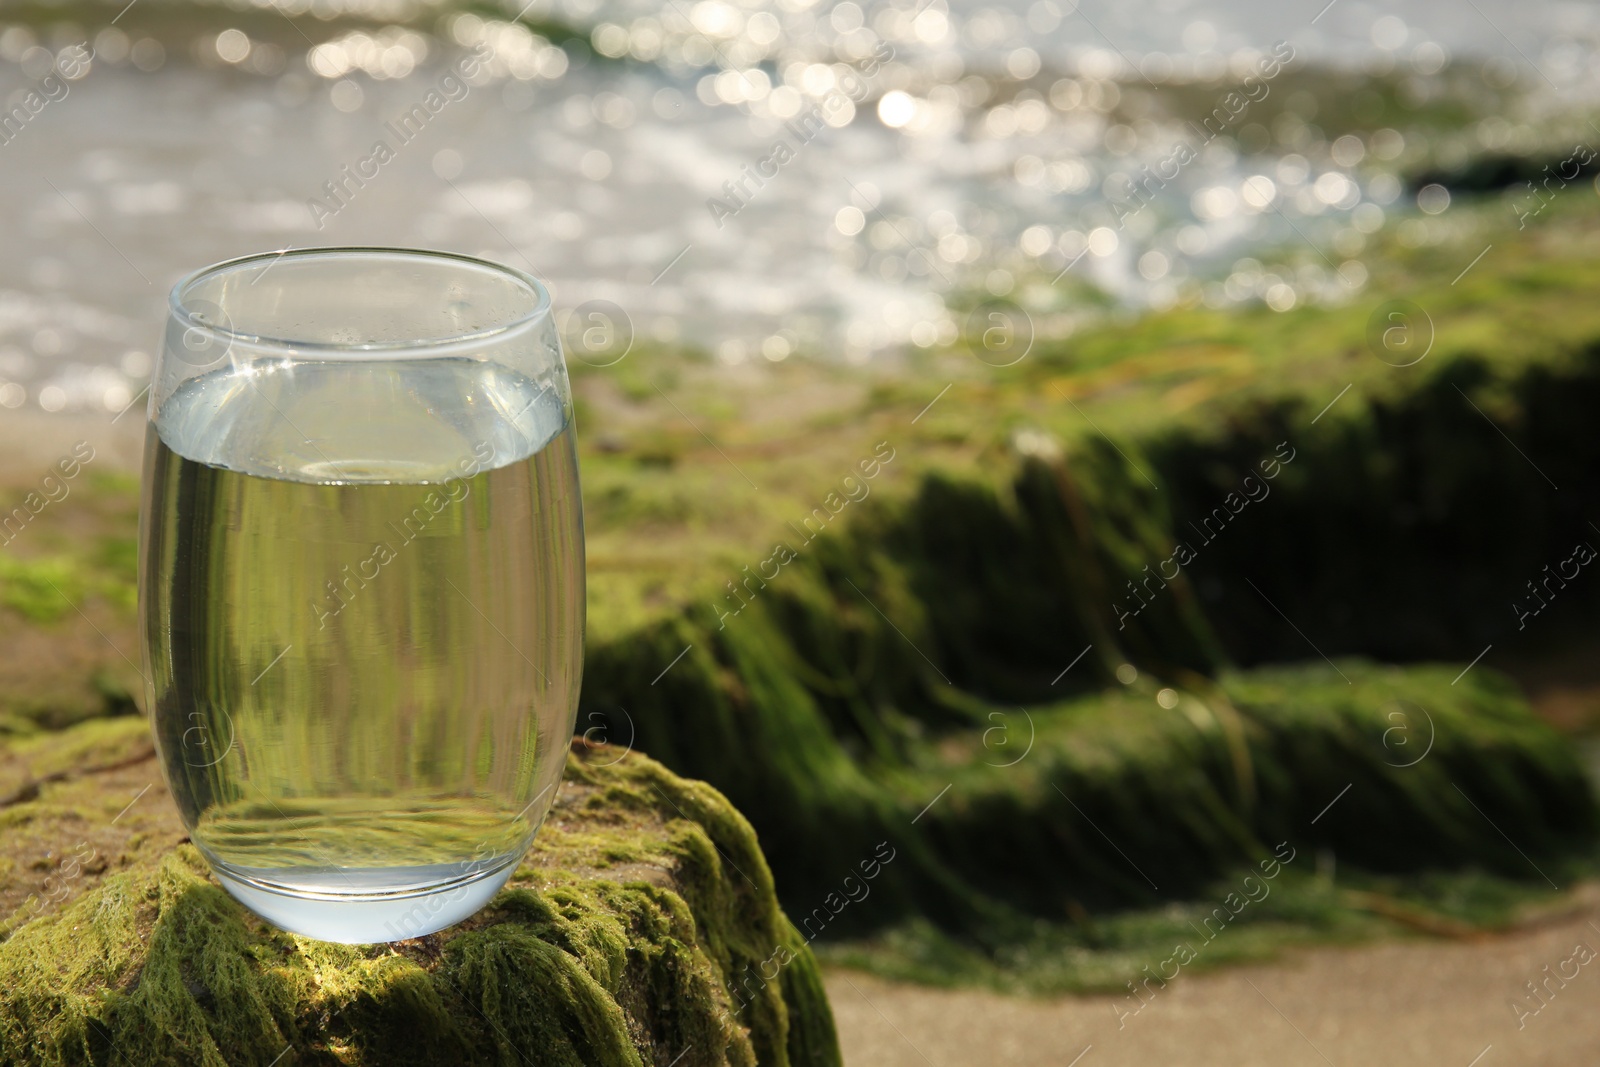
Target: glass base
(359, 907)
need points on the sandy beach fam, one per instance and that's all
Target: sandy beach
(1397, 1004)
(32, 441)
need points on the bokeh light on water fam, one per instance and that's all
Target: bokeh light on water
(937, 155)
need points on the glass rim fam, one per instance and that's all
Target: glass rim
(183, 314)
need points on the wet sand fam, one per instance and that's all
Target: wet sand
(1395, 1004)
(32, 441)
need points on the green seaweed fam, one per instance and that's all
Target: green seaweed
(1103, 953)
(158, 965)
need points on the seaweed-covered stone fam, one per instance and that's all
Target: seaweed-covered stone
(641, 929)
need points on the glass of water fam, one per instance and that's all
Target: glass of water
(361, 581)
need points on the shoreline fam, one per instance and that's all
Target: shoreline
(1398, 1002)
(31, 442)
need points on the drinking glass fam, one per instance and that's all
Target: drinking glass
(361, 581)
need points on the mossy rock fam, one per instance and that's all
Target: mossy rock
(642, 929)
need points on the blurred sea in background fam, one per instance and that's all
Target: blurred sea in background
(983, 158)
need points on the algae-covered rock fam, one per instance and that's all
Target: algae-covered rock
(642, 929)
